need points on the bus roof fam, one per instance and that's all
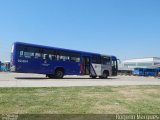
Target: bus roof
(49, 47)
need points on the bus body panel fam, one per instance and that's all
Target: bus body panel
(138, 71)
(47, 66)
(145, 72)
(150, 72)
(98, 69)
(106, 68)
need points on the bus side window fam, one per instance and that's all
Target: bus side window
(64, 56)
(28, 52)
(52, 57)
(96, 59)
(21, 54)
(32, 54)
(48, 54)
(77, 59)
(37, 55)
(106, 60)
(45, 56)
(74, 59)
(20, 51)
(68, 56)
(58, 57)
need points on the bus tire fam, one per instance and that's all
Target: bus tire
(59, 73)
(105, 75)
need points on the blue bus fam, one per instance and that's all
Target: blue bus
(150, 72)
(56, 62)
(145, 71)
(138, 71)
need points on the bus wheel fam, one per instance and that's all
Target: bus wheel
(105, 75)
(59, 73)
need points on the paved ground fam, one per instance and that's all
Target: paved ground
(35, 80)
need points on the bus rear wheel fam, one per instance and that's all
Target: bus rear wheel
(59, 73)
(105, 75)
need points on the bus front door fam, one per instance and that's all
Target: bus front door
(114, 67)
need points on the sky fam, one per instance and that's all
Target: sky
(124, 28)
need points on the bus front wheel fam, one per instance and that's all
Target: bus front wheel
(59, 73)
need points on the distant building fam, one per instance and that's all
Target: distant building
(140, 63)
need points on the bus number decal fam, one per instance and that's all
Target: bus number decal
(22, 61)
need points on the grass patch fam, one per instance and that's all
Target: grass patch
(81, 100)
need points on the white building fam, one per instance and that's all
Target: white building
(139, 63)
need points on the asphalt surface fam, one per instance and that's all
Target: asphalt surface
(36, 80)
